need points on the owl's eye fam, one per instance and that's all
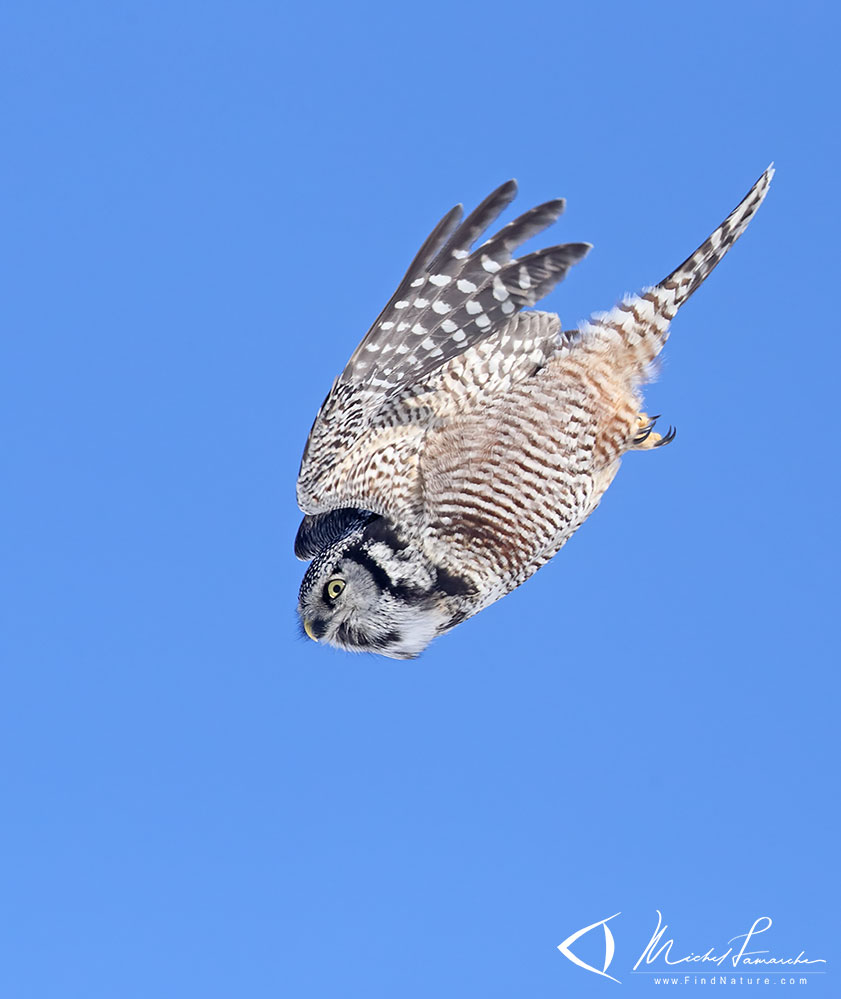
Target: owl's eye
(333, 588)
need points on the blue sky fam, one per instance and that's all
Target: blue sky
(205, 206)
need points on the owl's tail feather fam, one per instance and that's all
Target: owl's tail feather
(641, 322)
(684, 280)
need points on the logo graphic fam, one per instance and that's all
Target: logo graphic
(742, 960)
(609, 948)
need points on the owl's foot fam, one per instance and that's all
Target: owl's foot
(646, 438)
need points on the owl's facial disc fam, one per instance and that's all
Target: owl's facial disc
(351, 603)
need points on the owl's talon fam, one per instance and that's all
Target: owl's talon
(646, 426)
(643, 435)
(646, 439)
(670, 435)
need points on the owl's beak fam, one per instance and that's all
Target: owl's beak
(309, 631)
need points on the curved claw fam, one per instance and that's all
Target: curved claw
(669, 436)
(645, 439)
(645, 430)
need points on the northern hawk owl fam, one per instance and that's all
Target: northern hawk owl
(466, 441)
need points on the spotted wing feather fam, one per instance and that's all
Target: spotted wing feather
(448, 240)
(478, 221)
(460, 297)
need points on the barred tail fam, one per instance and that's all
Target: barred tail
(641, 322)
(684, 280)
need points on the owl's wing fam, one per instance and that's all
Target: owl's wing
(361, 452)
(370, 460)
(451, 297)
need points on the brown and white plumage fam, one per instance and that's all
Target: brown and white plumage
(466, 441)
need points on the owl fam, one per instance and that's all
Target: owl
(467, 440)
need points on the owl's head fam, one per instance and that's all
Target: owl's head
(370, 593)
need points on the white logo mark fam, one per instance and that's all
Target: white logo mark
(609, 947)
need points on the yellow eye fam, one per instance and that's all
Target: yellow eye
(334, 588)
